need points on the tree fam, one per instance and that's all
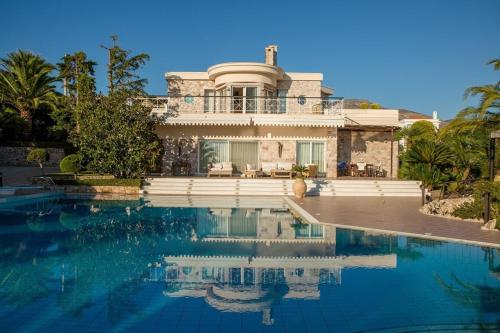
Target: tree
(38, 155)
(122, 70)
(117, 136)
(427, 161)
(11, 124)
(486, 114)
(77, 73)
(420, 130)
(26, 84)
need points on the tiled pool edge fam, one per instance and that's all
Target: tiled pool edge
(311, 219)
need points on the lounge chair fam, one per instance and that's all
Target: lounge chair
(251, 171)
(266, 167)
(221, 169)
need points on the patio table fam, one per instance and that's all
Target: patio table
(279, 173)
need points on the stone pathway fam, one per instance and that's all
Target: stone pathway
(393, 214)
(22, 175)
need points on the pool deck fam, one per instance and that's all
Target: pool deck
(394, 215)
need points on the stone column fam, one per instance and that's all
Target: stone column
(395, 159)
(331, 155)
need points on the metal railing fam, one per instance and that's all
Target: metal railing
(245, 104)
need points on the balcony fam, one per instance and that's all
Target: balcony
(250, 105)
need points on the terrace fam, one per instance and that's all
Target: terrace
(245, 105)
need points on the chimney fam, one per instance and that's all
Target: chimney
(272, 55)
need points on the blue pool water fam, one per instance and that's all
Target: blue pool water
(82, 265)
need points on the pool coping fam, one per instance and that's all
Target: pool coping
(311, 219)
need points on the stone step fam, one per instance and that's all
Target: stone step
(278, 187)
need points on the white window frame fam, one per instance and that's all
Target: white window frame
(310, 152)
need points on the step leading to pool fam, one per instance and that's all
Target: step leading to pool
(278, 187)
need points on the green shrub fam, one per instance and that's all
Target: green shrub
(133, 182)
(475, 209)
(469, 210)
(70, 163)
(38, 155)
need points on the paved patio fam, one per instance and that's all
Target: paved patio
(393, 214)
(22, 175)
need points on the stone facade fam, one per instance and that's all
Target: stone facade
(16, 156)
(331, 157)
(373, 147)
(297, 88)
(120, 190)
(180, 149)
(269, 151)
(178, 89)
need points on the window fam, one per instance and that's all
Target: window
(311, 152)
(240, 153)
(189, 99)
(209, 101)
(244, 99)
(301, 100)
(282, 100)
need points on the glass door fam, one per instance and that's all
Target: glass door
(310, 152)
(209, 101)
(282, 100)
(239, 153)
(243, 153)
(211, 152)
(250, 99)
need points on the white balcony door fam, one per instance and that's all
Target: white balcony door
(209, 101)
(244, 99)
(282, 100)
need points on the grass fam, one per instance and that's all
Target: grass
(135, 182)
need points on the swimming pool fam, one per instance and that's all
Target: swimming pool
(79, 265)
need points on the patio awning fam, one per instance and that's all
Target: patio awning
(231, 119)
(306, 120)
(210, 119)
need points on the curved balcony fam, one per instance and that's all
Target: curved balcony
(253, 72)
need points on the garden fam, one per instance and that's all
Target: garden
(453, 162)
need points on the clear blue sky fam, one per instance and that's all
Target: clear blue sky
(419, 55)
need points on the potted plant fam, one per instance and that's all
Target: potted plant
(299, 186)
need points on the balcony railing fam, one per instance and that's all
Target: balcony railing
(245, 104)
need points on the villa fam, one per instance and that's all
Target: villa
(250, 118)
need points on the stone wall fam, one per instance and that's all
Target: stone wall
(180, 149)
(269, 151)
(120, 190)
(16, 156)
(178, 89)
(373, 147)
(331, 157)
(297, 88)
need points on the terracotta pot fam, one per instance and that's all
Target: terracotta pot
(299, 188)
(435, 194)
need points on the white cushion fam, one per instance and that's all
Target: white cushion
(268, 166)
(285, 165)
(227, 165)
(251, 167)
(217, 166)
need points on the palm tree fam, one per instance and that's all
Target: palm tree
(428, 162)
(486, 114)
(26, 84)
